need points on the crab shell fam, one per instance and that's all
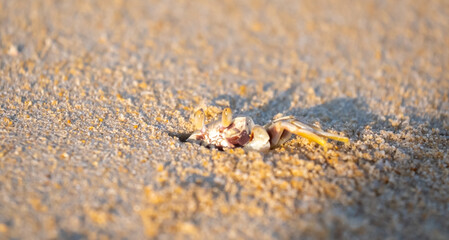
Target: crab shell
(242, 132)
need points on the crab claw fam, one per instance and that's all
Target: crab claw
(280, 130)
(259, 140)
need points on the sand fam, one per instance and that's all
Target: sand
(95, 97)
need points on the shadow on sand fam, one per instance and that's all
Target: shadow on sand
(348, 115)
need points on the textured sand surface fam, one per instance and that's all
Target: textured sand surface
(94, 96)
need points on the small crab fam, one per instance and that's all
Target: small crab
(243, 132)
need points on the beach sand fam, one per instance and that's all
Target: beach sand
(96, 96)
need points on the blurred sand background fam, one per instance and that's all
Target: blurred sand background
(95, 94)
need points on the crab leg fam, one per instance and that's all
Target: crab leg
(319, 132)
(278, 129)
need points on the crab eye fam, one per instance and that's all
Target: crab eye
(226, 117)
(198, 119)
